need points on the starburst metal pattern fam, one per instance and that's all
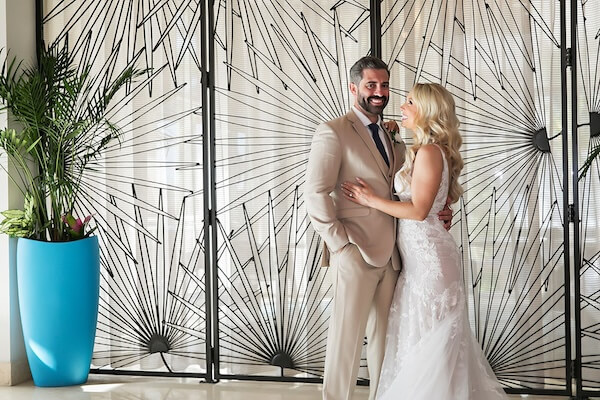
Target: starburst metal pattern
(144, 191)
(497, 60)
(282, 69)
(273, 305)
(152, 310)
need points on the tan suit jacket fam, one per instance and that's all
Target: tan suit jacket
(343, 149)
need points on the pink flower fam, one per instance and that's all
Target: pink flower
(76, 226)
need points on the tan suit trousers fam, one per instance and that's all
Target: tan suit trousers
(361, 302)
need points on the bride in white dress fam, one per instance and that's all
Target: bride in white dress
(430, 352)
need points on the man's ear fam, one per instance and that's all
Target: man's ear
(353, 88)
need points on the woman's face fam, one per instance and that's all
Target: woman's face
(409, 112)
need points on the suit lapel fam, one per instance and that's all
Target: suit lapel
(365, 135)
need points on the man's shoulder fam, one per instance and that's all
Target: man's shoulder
(339, 121)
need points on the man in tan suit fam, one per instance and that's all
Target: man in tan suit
(360, 242)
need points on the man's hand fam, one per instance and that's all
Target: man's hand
(446, 215)
(391, 125)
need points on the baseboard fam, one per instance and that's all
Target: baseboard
(13, 373)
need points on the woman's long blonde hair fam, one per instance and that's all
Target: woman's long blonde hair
(436, 122)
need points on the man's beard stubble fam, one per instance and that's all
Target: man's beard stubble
(363, 102)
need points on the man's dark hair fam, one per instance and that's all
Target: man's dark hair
(367, 62)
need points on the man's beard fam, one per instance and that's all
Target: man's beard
(365, 105)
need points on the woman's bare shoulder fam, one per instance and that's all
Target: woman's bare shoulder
(430, 151)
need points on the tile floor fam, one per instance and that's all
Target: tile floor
(109, 387)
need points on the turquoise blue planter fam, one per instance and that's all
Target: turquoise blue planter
(58, 298)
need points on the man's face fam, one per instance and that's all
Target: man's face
(372, 92)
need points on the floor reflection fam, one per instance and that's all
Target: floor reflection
(107, 387)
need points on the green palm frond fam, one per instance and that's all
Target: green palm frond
(62, 110)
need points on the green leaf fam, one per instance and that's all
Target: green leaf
(33, 145)
(13, 213)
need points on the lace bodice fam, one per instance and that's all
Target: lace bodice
(402, 182)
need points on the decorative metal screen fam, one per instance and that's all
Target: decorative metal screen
(146, 193)
(588, 118)
(281, 69)
(501, 60)
(221, 125)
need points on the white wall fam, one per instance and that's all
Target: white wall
(17, 33)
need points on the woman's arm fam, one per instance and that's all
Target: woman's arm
(426, 178)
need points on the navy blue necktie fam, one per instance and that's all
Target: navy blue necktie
(374, 128)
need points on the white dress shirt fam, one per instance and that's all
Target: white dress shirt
(363, 118)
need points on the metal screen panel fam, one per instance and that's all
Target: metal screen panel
(280, 69)
(501, 61)
(588, 134)
(145, 192)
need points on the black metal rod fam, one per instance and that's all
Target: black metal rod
(375, 19)
(147, 373)
(267, 378)
(214, 282)
(574, 174)
(565, 162)
(207, 157)
(537, 392)
(39, 29)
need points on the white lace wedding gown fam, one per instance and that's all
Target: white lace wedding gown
(431, 353)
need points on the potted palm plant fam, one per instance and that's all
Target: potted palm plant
(61, 111)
